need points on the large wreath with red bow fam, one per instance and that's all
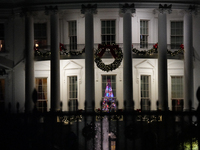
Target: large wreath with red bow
(115, 51)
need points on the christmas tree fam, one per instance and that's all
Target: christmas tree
(108, 104)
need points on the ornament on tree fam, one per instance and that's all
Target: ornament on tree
(109, 103)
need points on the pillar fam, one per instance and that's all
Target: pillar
(29, 63)
(127, 11)
(162, 57)
(55, 58)
(188, 60)
(89, 10)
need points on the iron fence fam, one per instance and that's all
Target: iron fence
(98, 130)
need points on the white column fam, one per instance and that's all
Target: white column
(29, 65)
(162, 61)
(188, 60)
(127, 57)
(55, 59)
(89, 56)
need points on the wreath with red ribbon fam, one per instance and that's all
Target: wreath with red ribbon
(115, 51)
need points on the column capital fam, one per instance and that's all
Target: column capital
(89, 9)
(126, 8)
(165, 8)
(50, 10)
(25, 11)
(192, 9)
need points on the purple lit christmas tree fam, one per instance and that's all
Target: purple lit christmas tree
(108, 104)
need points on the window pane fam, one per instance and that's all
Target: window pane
(72, 35)
(145, 91)
(41, 87)
(177, 87)
(173, 31)
(176, 34)
(108, 31)
(144, 33)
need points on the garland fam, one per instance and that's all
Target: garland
(63, 51)
(147, 52)
(155, 50)
(174, 53)
(116, 53)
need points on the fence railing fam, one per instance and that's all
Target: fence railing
(98, 130)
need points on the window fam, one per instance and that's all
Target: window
(108, 32)
(2, 95)
(73, 93)
(112, 79)
(41, 87)
(40, 36)
(145, 92)
(144, 33)
(2, 42)
(109, 93)
(72, 35)
(176, 34)
(177, 93)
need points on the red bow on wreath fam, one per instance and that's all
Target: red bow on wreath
(104, 47)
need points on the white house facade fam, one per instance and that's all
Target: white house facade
(51, 47)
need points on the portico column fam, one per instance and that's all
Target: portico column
(89, 10)
(127, 11)
(162, 58)
(55, 58)
(29, 63)
(188, 59)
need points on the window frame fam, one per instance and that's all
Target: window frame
(73, 101)
(175, 45)
(41, 103)
(177, 100)
(40, 41)
(105, 83)
(72, 35)
(111, 35)
(144, 44)
(145, 107)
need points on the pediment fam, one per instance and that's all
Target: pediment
(72, 65)
(145, 64)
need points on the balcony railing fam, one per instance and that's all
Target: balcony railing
(149, 52)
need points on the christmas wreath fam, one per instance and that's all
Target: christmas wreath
(116, 53)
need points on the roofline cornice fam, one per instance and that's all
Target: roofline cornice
(17, 8)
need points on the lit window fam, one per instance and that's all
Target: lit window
(72, 35)
(108, 32)
(41, 87)
(109, 93)
(145, 92)
(73, 93)
(2, 42)
(144, 33)
(40, 36)
(2, 95)
(176, 34)
(177, 93)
